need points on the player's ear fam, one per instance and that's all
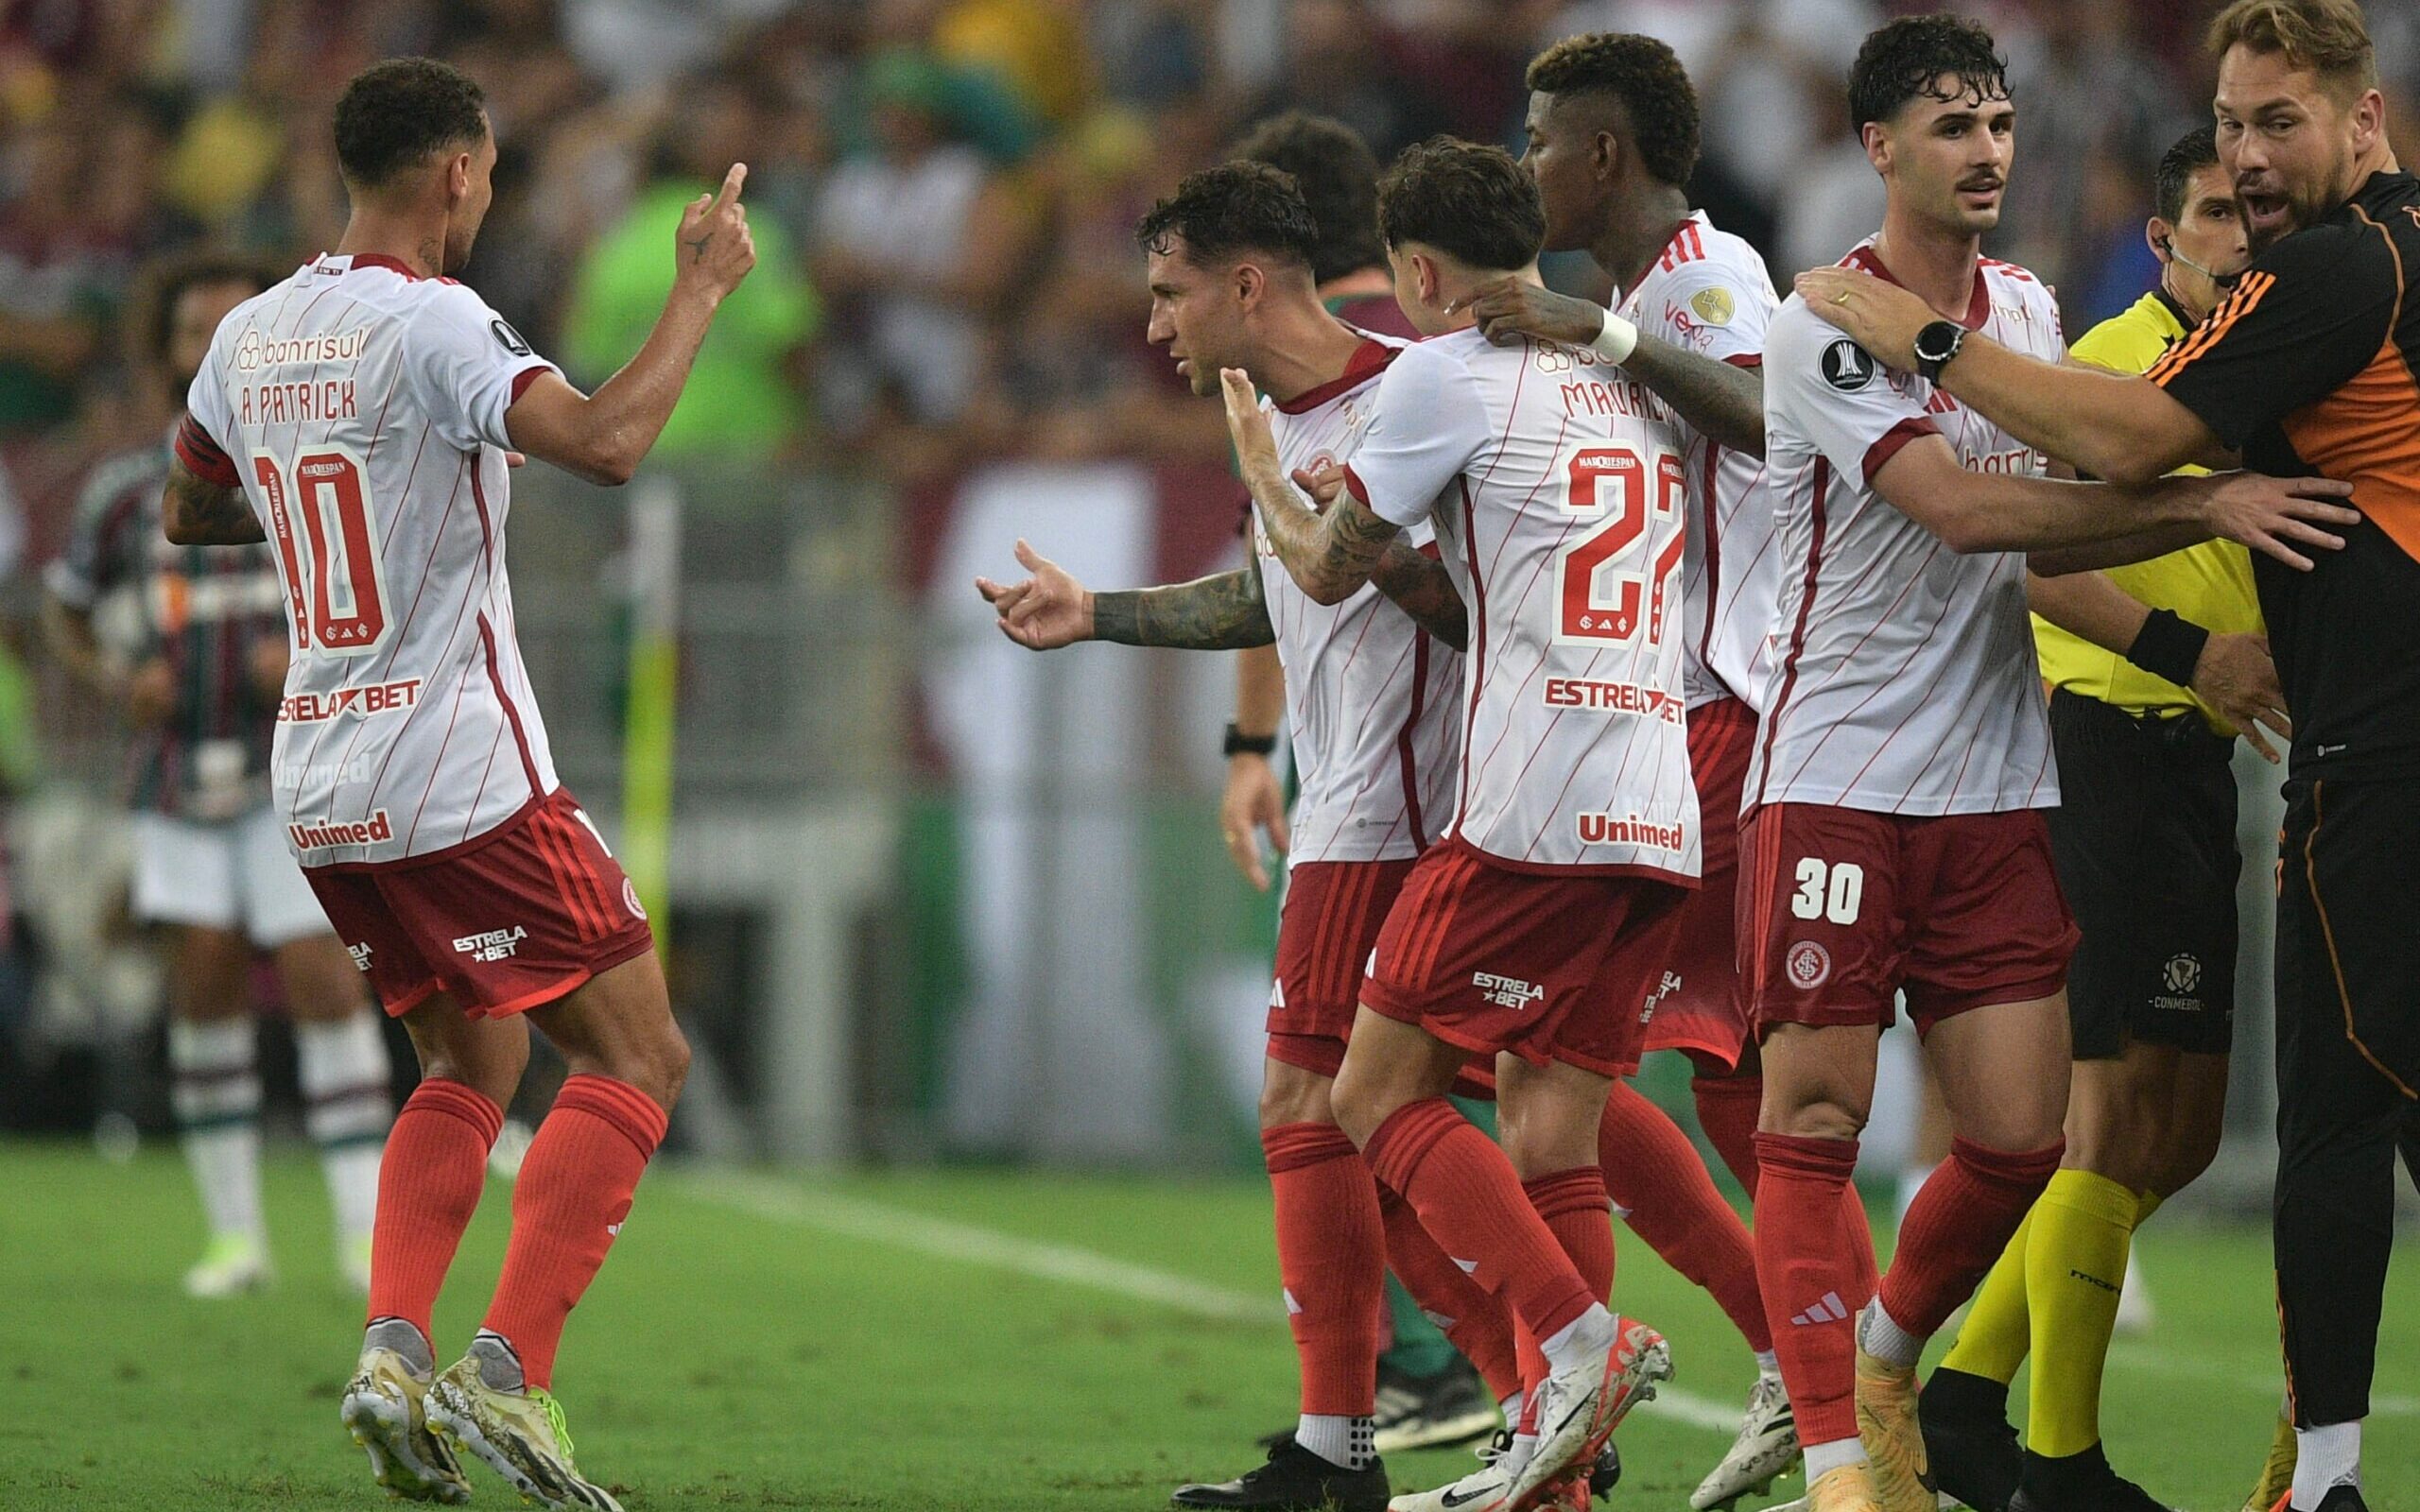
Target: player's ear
(2369, 121)
(2160, 235)
(1250, 284)
(1606, 156)
(457, 177)
(1878, 146)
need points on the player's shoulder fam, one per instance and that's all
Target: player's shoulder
(2014, 284)
(2354, 242)
(2131, 340)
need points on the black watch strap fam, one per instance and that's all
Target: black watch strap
(1240, 744)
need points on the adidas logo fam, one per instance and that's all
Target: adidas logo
(1277, 994)
(1292, 1307)
(1830, 1310)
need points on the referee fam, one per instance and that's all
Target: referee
(2306, 368)
(2145, 846)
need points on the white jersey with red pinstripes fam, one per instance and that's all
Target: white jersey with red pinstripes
(1907, 683)
(361, 410)
(1371, 697)
(1709, 293)
(1557, 489)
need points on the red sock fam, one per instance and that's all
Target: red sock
(1472, 1204)
(569, 1202)
(429, 1182)
(1960, 1222)
(1727, 1111)
(1331, 1253)
(1668, 1199)
(1579, 1214)
(1476, 1323)
(1857, 1233)
(1804, 1261)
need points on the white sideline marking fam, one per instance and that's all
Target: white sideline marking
(946, 1239)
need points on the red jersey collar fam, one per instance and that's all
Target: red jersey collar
(1979, 307)
(1368, 358)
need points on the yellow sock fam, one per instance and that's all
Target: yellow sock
(2145, 1203)
(1997, 1331)
(2074, 1265)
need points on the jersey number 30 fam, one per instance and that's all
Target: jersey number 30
(1604, 594)
(327, 543)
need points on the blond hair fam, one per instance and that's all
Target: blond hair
(2327, 37)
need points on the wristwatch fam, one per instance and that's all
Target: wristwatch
(1936, 344)
(1240, 744)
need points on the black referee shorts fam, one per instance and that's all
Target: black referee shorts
(2144, 842)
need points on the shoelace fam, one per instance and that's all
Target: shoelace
(555, 1419)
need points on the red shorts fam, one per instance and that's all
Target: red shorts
(1324, 937)
(1549, 966)
(1841, 907)
(1702, 1007)
(511, 921)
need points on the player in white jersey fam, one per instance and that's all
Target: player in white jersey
(362, 416)
(1372, 685)
(1895, 839)
(1537, 925)
(1612, 134)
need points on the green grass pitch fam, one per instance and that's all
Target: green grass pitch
(969, 1340)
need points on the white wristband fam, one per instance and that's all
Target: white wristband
(1617, 341)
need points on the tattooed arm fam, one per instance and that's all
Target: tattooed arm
(1417, 583)
(1330, 553)
(1051, 610)
(197, 512)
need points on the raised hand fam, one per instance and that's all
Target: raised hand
(1512, 308)
(2236, 677)
(1255, 444)
(2267, 513)
(1046, 610)
(1882, 318)
(713, 250)
(1323, 486)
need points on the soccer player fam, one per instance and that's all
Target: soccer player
(2304, 369)
(1373, 679)
(1540, 922)
(1428, 1395)
(360, 414)
(1613, 136)
(2144, 843)
(197, 667)
(1894, 836)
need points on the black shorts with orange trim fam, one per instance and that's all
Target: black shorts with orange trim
(522, 915)
(2347, 955)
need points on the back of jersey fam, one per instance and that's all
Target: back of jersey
(361, 410)
(1562, 521)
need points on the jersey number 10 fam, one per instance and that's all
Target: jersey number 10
(1601, 602)
(335, 586)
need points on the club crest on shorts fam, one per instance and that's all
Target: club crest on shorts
(1847, 366)
(2182, 973)
(1808, 965)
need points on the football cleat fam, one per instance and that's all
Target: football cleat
(1767, 1447)
(232, 1266)
(2277, 1473)
(1894, 1443)
(1449, 1408)
(383, 1411)
(1481, 1489)
(1848, 1488)
(1578, 1410)
(1294, 1479)
(1969, 1444)
(519, 1434)
(2079, 1482)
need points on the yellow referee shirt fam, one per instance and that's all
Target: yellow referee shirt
(2209, 585)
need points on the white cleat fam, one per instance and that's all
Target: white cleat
(519, 1435)
(383, 1411)
(1579, 1409)
(1481, 1489)
(232, 1267)
(1766, 1449)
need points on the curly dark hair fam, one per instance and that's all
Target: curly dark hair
(1460, 198)
(164, 283)
(1338, 177)
(1646, 78)
(2195, 151)
(399, 113)
(1906, 59)
(1223, 211)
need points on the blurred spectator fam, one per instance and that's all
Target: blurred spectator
(56, 279)
(743, 401)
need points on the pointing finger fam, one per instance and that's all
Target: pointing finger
(731, 182)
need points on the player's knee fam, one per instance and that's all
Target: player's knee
(1289, 1094)
(661, 1065)
(1813, 1114)
(1360, 1103)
